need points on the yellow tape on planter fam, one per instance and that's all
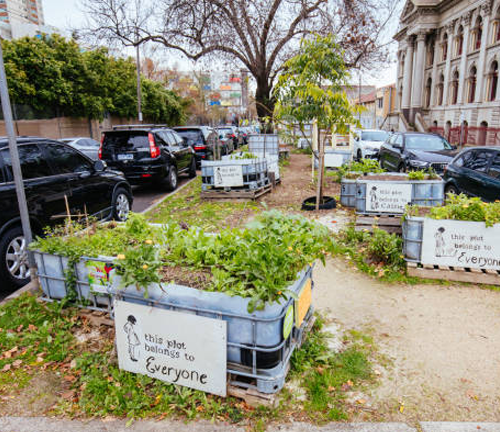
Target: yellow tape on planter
(288, 322)
(303, 303)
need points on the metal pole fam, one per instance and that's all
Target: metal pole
(359, 95)
(16, 165)
(139, 96)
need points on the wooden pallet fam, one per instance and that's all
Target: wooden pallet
(391, 224)
(252, 397)
(235, 194)
(459, 274)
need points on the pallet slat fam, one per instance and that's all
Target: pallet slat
(458, 274)
(215, 194)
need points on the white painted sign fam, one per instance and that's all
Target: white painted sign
(175, 347)
(228, 176)
(333, 160)
(387, 197)
(461, 244)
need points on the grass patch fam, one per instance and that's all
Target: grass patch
(186, 207)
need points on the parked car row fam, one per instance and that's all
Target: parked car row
(474, 171)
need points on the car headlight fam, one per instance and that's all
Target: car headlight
(418, 164)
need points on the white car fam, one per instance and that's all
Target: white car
(367, 143)
(87, 146)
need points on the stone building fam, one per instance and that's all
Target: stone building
(448, 60)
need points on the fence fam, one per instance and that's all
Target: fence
(477, 136)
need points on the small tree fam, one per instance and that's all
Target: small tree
(310, 88)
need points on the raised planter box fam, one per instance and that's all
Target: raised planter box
(265, 144)
(234, 174)
(259, 344)
(389, 193)
(450, 249)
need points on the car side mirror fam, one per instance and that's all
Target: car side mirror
(454, 147)
(100, 165)
(397, 146)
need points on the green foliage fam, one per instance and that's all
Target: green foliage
(244, 155)
(311, 87)
(31, 328)
(461, 207)
(416, 175)
(355, 169)
(55, 74)
(326, 375)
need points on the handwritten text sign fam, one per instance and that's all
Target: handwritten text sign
(461, 244)
(175, 347)
(228, 176)
(387, 197)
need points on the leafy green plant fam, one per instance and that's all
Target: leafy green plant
(244, 155)
(355, 169)
(417, 175)
(461, 207)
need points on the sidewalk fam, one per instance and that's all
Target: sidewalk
(44, 424)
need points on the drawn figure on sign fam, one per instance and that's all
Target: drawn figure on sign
(440, 242)
(132, 338)
(374, 198)
(218, 176)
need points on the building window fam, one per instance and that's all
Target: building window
(444, 47)
(380, 102)
(454, 88)
(477, 34)
(472, 84)
(428, 88)
(459, 44)
(440, 90)
(493, 81)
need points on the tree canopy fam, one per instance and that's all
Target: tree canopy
(53, 74)
(259, 35)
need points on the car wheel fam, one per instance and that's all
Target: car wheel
(451, 189)
(359, 155)
(121, 205)
(14, 266)
(171, 179)
(192, 168)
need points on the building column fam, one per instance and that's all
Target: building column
(462, 79)
(398, 102)
(482, 53)
(451, 37)
(434, 68)
(418, 84)
(406, 103)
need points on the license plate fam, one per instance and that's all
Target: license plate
(303, 303)
(123, 157)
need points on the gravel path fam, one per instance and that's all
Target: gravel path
(442, 343)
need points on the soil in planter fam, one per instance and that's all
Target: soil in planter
(199, 279)
(386, 177)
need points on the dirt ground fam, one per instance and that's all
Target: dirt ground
(440, 345)
(296, 185)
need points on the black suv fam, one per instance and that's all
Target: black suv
(52, 171)
(415, 151)
(148, 154)
(475, 172)
(203, 140)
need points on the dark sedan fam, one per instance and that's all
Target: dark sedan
(416, 151)
(475, 172)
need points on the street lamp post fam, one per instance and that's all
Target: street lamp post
(139, 94)
(16, 164)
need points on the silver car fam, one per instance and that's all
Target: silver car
(88, 146)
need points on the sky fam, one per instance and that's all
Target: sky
(70, 16)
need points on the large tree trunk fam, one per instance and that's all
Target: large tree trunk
(264, 102)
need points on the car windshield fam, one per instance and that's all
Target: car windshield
(374, 135)
(191, 134)
(426, 142)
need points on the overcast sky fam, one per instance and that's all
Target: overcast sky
(66, 14)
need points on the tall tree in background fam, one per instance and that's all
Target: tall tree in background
(259, 34)
(311, 87)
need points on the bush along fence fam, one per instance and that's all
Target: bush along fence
(243, 175)
(459, 241)
(205, 311)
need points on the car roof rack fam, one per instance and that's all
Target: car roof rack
(144, 126)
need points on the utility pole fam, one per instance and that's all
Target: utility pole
(139, 96)
(16, 164)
